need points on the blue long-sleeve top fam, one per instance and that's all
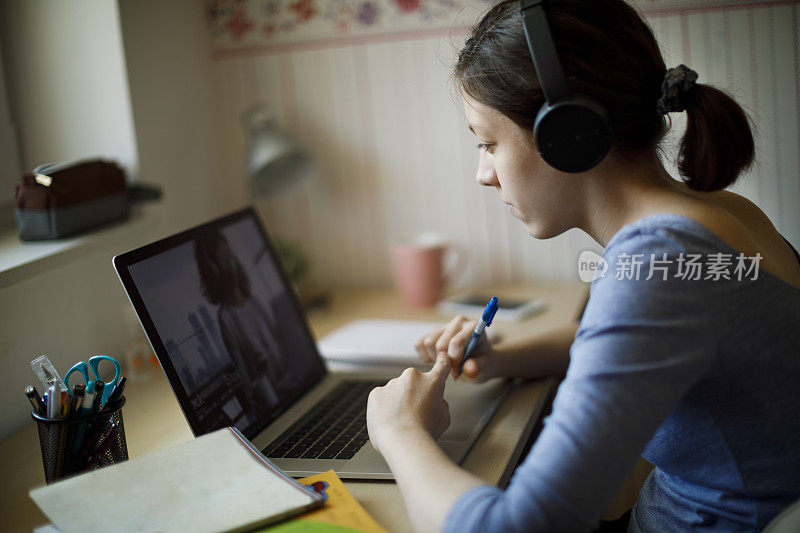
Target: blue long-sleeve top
(699, 376)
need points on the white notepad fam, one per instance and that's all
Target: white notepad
(375, 343)
(217, 482)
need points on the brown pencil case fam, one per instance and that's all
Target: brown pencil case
(63, 199)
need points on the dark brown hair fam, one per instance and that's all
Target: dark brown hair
(216, 279)
(610, 54)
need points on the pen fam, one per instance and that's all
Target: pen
(117, 391)
(98, 396)
(65, 402)
(88, 398)
(78, 393)
(484, 322)
(53, 401)
(104, 443)
(73, 403)
(36, 400)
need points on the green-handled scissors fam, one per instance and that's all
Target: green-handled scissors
(94, 363)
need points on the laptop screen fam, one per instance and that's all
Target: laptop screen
(224, 323)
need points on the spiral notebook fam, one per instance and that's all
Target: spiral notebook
(217, 482)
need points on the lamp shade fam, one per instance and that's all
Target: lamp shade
(276, 162)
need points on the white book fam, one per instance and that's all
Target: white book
(216, 482)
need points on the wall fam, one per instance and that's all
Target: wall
(58, 52)
(169, 66)
(79, 308)
(398, 160)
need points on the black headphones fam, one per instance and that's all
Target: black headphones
(572, 132)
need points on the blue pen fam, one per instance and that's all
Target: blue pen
(483, 323)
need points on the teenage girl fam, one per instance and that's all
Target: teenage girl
(687, 351)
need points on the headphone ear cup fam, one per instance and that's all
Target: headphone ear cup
(572, 135)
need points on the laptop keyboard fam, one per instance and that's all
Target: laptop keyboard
(334, 428)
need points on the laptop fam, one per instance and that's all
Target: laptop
(236, 348)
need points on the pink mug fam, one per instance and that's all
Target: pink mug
(419, 272)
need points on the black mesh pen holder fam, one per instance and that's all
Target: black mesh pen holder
(80, 444)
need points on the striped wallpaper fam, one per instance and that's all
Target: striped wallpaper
(396, 158)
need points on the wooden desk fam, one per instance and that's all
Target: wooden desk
(153, 419)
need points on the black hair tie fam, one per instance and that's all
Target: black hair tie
(677, 81)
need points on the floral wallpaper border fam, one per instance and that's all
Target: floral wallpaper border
(246, 26)
(246, 23)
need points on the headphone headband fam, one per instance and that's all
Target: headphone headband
(543, 51)
(572, 132)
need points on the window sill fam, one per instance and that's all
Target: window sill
(21, 260)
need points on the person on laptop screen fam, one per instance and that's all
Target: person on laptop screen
(249, 333)
(221, 320)
(687, 351)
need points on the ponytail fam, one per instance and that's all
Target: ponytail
(718, 143)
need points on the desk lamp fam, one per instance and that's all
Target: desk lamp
(277, 165)
(276, 162)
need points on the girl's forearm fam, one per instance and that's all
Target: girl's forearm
(429, 481)
(544, 355)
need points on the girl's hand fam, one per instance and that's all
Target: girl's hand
(452, 339)
(411, 402)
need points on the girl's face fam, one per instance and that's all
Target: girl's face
(537, 194)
